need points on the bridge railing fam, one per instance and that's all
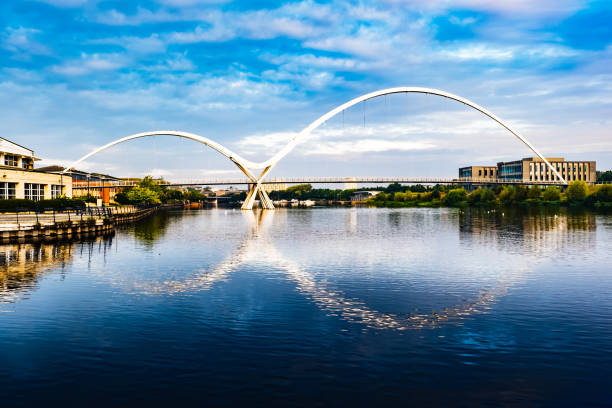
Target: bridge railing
(327, 180)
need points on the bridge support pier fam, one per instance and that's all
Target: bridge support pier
(254, 191)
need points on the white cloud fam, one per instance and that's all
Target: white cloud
(520, 7)
(479, 52)
(19, 40)
(367, 146)
(89, 63)
(152, 44)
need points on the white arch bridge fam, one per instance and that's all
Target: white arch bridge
(257, 181)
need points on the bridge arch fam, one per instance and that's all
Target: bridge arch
(273, 161)
(240, 162)
(247, 166)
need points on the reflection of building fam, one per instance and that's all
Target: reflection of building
(534, 169)
(530, 232)
(20, 264)
(478, 172)
(18, 179)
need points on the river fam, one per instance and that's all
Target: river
(314, 307)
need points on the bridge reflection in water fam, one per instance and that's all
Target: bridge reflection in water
(258, 247)
(539, 234)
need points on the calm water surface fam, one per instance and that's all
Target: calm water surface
(317, 307)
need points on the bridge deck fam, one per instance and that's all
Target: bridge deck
(323, 180)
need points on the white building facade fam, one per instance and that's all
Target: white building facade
(19, 179)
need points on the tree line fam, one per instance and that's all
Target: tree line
(578, 193)
(148, 191)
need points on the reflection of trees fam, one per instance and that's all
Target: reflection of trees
(150, 229)
(539, 231)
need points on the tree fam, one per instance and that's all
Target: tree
(506, 193)
(519, 193)
(604, 176)
(455, 196)
(300, 187)
(394, 188)
(551, 193)
(481, 195)
(576, 191)
(474, 196)
(534, 192)
(142, 195)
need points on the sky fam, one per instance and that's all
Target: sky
(77, 74)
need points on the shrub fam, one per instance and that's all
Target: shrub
(424, 196)
(481, 195)
(551, 193)
(455, 196)
(604, 193)
(57, 204)
(576, 191)
(519, 193)
(399, 196)
(534, 193)
(601, 195)
(506, 193)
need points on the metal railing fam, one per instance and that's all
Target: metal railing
(50, 216)
(327, 180)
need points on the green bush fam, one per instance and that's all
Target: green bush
(551, 193)
(506, 194)
(534, 193)
(576, 191)
(601, 197)
(455, 196)
(519, 193)
(57, 204)
(481, 195)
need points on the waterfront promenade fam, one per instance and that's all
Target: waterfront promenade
(31, 224)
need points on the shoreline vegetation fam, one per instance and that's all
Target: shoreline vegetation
(578, 194)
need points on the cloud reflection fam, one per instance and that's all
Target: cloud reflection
(258, 247)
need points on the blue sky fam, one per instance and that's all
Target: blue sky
(79, 73)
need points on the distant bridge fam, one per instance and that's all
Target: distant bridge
(80, 185)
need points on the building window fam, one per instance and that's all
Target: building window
(34, 191)
(480, 172)
(26, 163)
(7, 190)
(10, 160)
(56, 191)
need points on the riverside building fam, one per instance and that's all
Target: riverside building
(19, 179)
(534, 169)
(486, 172)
